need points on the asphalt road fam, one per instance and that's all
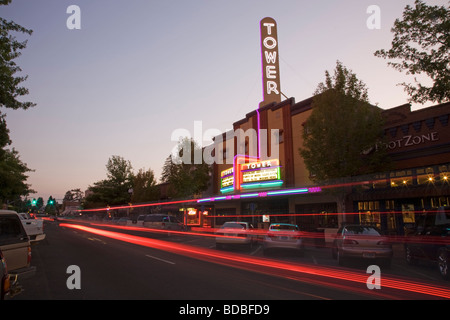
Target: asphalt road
(112, 269)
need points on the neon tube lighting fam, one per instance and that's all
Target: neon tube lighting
(262, 194)
(228, 197)
(262, 184)
(227, 189)
(250, 195)
(302, 190)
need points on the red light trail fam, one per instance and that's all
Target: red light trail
(334, 277)
(211, 232)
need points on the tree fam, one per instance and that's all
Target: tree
(185, 177)
(115, 189)
(50, 207)
(40, 203)
(144, 187)
(342, 132)
(422, 45)
(51, 201)
(13, 176)
(73, 195)
(10, 49)
(13, 172)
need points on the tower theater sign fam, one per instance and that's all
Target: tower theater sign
(270, 61)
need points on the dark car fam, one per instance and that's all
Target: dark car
(430, 240)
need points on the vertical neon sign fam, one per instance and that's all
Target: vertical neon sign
(270, 61)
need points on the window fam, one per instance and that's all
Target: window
(369, 212)
(361, 230)
(280, 136)
(444, 174)
(11, 231)
(401, 178)
(425, 175)
(306, 129)
(440, 202)
(390, 204)
(380, 181)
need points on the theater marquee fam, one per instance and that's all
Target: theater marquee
(251, 175)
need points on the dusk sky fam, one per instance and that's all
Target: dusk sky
(138, 70)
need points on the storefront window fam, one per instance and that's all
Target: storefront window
(380, 181)
(440, 202)
(192, 217)
(444, 174)
(328, 220)
(369, 212)
(390, 215)
(425, 175)
(401, 178)
(408, 213)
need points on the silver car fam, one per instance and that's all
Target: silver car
(162, 222)
(361, 242)
(283, 236)
(235, 233)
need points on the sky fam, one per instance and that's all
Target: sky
(138, 70)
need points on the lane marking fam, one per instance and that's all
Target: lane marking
(156, 258)
(96, 239)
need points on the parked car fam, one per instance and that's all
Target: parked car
(283, 236)
(430, 240)
(15, 246)
(4, 277)
(162, 222)
(121, 221)
(361, 242)
(140, 220)
(235, 233)
(34, 227)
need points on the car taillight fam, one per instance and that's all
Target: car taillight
(6, 284)
(350, 241)
(29, 256)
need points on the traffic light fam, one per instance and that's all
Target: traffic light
(51, 202)
(33, 202)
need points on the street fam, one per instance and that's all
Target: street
(190, 268)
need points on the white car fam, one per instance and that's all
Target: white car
(235, 233)
(283, 236)
(33, 227)
(162, 222)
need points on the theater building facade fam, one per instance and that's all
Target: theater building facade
(258, 174)
(272, 184)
